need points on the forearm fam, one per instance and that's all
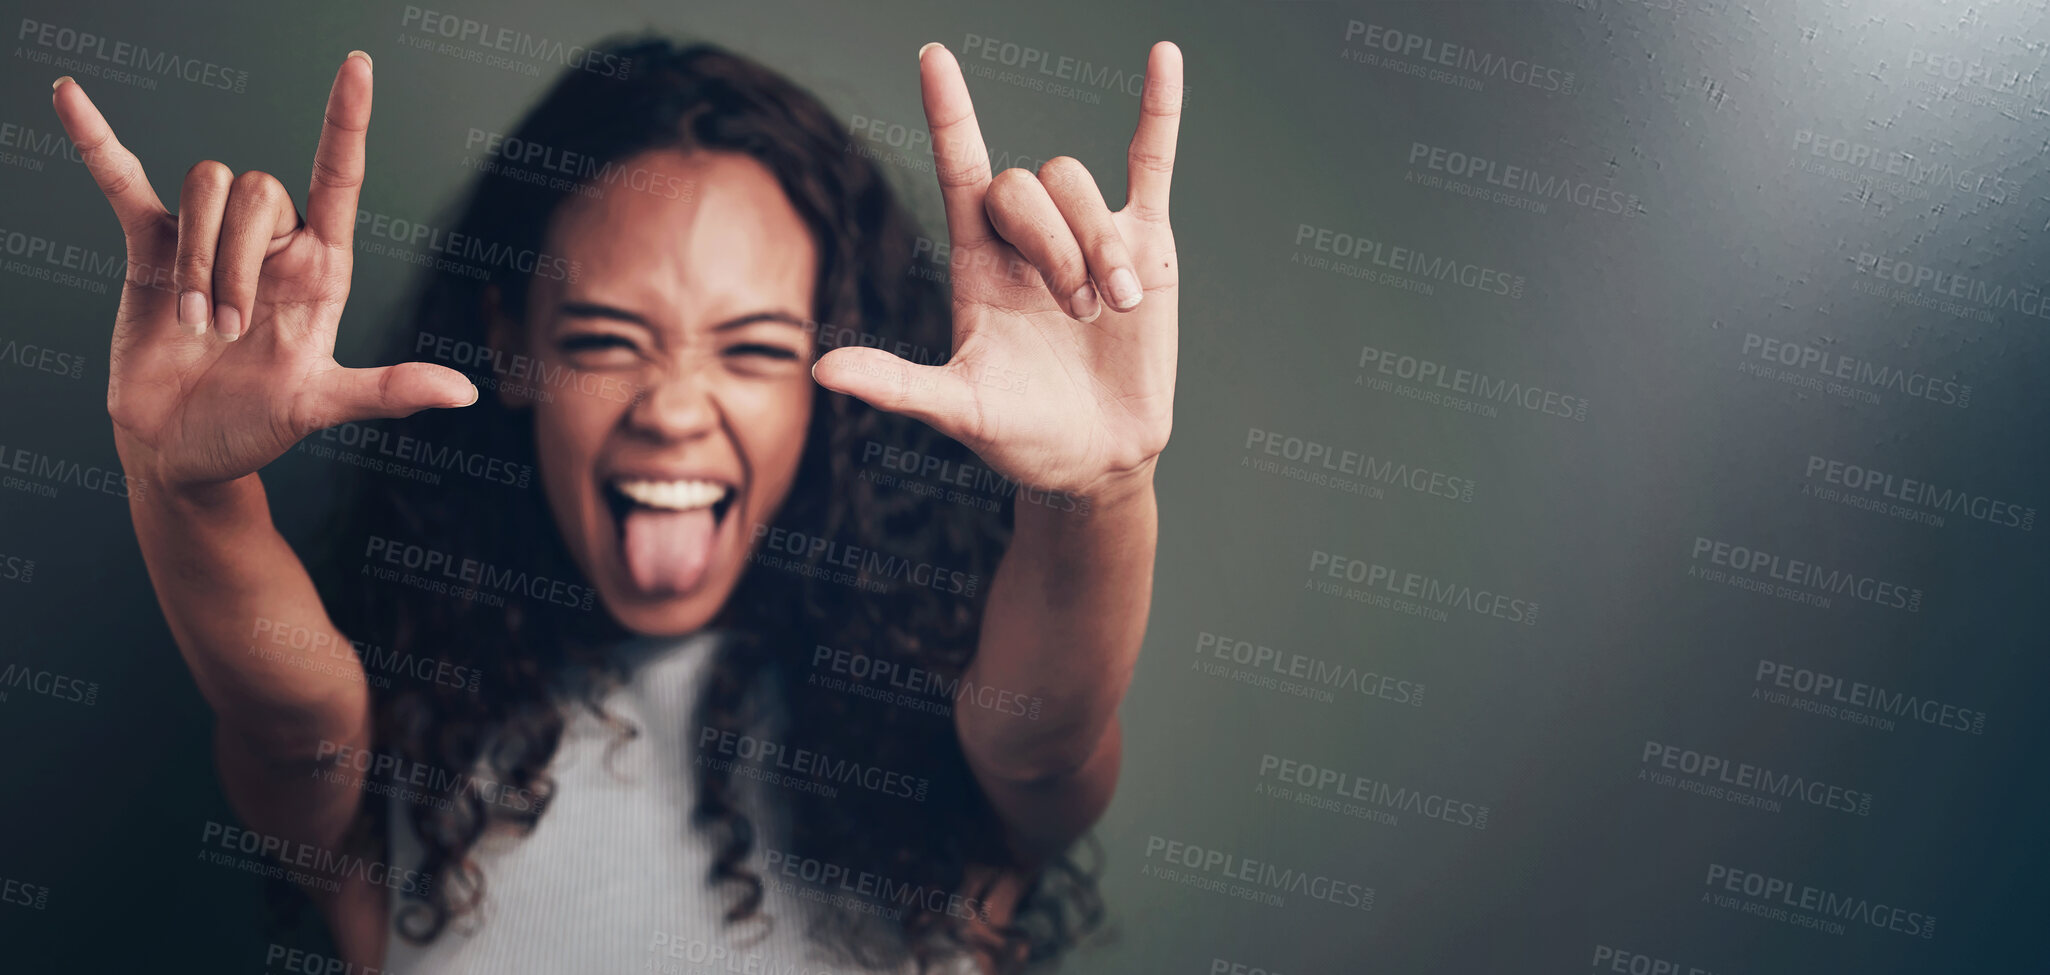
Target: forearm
(1062, 630)
(247, 618)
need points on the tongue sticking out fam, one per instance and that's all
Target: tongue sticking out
(666, 551)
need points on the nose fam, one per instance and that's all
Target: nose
(678, 404)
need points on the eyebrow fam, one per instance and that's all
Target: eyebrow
(589, 309)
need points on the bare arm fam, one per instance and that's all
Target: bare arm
(1079, 303)
(1065, 619)
(222, 358)
(238, 601)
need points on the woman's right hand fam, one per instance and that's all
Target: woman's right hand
(223, 352)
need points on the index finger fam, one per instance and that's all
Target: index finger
(338, 163)
(1149, 166)
(114, 168)
(959, 158)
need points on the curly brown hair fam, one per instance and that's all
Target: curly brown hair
(869, 284)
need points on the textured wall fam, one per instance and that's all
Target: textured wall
(1598, 532)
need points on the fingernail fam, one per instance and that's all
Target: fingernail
(473, 396)
(929, 45)
(192, 310)
(366, 58)
(59, 83)
(228, 321)
(1124, 289)
(1084, 302)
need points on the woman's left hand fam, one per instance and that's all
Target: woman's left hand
(1063, 365)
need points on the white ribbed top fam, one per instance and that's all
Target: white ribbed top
(613, 877)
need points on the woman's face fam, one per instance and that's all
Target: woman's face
(675, 424)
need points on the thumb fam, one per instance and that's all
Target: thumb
(389, 392)
(933, 395)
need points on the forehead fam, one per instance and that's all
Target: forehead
(695, 232)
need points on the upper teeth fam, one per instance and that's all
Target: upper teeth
(676, 495)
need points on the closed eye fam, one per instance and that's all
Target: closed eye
(593, 340)
(757, 348)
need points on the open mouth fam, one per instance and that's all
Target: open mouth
(666, 529)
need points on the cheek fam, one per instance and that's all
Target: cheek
(568, 432)
(777, 418)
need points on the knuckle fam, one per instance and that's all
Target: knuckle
(961, 169)
(332, 121)
(118, 176)
(232, 283)
(208, 172)
(194, 267)
(1062, 170)
(1153, 162)
(1064, 268)
(325, 174)
(1011, 181)
(257, 186)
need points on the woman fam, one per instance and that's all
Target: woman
(672, 750)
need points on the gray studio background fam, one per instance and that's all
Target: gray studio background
(1777, 166)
